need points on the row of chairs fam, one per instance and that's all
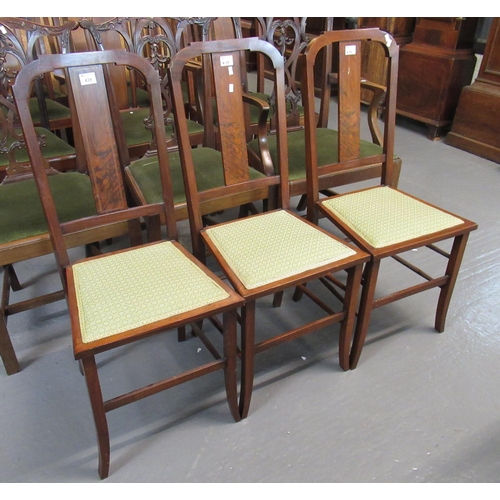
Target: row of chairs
(258, 255)
(24, 232)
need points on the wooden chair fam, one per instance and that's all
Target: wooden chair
(383, 221)
(157, 40)
(126, 295)
(22, 41)
(326, 85)
(265, 253)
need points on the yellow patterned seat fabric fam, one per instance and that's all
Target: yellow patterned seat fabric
(126, 290)
(274, 245)
(384, 216)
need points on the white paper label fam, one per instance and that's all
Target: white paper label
(87, 78)
(350, 50)
(226, 60)
(231, 87)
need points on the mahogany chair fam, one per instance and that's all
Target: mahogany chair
(125, 295)
(265, 253)
(22, 41)
(327, 133)
(158, 40)
(382, 220)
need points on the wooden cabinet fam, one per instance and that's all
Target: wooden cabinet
(476, 127)
(433, 69)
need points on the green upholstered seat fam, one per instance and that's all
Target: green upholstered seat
(327, 144)
(54, 148)
(115, 288)
(136, 133)
(208, 168)
(55, 110)
(21, 214)
(383, 216)
(286, 246)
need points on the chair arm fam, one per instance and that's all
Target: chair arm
(262, 129)
(378, 95)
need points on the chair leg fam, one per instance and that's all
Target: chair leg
(370, 275)
(230, 371)
(7, 352)
(247, 356)
(454, 262)
(347, 325)
(101, 424)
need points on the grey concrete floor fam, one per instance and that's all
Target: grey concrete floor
(421, 407)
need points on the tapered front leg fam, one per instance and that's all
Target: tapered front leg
(454, 262)
(247, 356)
(370, 276)
(230, 371)
(7, 352)
(97, 404)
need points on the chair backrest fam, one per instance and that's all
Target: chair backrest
(223, 58)
(89, 96)
(347, 44)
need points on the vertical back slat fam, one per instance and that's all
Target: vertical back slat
(99, 143)
(230, 111)
(349, 100)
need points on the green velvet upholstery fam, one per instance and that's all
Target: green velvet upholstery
(208, 168)
(136, 133)
(327, 141)
(21, 214)
(54, 148)
(55, 110)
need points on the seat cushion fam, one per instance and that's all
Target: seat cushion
(55, 110)
(136, 133)
(126, 290)
(327, 144)
(21, 214)
(384, 216)
(208, 168)
(54, 148)
(274, 245)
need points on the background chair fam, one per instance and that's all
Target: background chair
(24, 40)
(126, 295)
(269, 252)
(383, 221)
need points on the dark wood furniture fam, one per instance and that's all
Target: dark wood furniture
(433, 69)
(383, 221)
(126, 295)
(476, 127)
(263, 254)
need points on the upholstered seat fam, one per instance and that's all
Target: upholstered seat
(136, 133)
(54, 148)
(21, 214)
(113, 289)
(58, 114)
(383, 216)
(144, 173)
(327, 144)
(276, 254)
